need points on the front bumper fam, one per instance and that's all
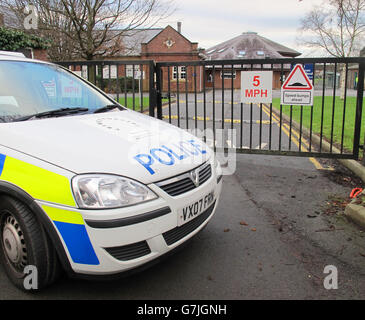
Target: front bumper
(105, 242)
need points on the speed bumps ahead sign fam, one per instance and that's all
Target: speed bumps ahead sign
(256, 86)
(297, 89)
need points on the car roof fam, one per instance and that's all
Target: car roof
(17, 56)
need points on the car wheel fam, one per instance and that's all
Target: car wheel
(23, 242)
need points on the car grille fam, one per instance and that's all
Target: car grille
(183, 183)
(178, 233)
(130, 252)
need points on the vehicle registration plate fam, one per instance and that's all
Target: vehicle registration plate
(194, 209)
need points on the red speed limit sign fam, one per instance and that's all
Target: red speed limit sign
(256, 86)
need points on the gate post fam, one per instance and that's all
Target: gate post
(360, 92)
(152, 90)
(91, 73)
(159, 91)
(359, 105)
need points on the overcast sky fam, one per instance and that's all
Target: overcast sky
(211, 22)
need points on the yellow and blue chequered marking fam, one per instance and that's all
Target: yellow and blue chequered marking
(40, 183)
(72, 229)
(2, 161)
(48, 186)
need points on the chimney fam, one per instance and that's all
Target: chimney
(179, 27)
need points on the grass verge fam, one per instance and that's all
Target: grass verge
(342, 130)
(135, 104)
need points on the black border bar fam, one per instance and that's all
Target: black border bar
(123, 222)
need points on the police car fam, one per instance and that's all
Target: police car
(88, 186)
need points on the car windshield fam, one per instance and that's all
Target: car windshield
(29, 88)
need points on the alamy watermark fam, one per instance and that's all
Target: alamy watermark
(30, 281)
(330, 282)
(31, 20)
(155, 151)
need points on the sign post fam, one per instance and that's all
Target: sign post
(297, 89)
(256, 86)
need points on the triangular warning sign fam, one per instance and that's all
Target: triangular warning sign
(297, 80)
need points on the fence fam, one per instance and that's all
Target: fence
(205, 95)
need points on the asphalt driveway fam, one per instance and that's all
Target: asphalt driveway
(271, 238)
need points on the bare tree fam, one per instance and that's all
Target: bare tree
(337, 27)
(91, 28)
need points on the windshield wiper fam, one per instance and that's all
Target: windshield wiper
(108, 108)
(53, 113)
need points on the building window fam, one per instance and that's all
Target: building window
(84, 72)
(241, 54)
(228, 75)
(113, 72)
(210, 77)
(182, 72)
(179, 72)
(130, 70)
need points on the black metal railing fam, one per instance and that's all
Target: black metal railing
(206, 96)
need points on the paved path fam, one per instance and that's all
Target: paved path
(253, 126)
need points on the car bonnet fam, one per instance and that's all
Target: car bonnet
(124, 143)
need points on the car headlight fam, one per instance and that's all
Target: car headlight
(102, 191)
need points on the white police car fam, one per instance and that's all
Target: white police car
(88, 186)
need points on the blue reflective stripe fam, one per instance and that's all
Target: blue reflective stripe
(77, 242)
(2, 161)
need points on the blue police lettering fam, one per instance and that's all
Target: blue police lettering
(147, 164)
(193, 152)
(181, 157)
(167, 156)
(197, 146)
(168, 163)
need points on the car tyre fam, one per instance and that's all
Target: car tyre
(24, 242)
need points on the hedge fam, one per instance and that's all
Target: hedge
(125, 84)
(13, 40)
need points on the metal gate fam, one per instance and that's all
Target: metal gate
(204, 96)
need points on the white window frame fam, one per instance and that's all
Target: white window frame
(129, 71)
(84, 71)
(113, 72)
(228, 74)
(181, 71)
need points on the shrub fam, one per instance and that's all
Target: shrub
(13, 40)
